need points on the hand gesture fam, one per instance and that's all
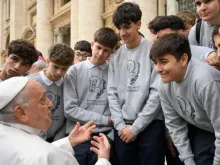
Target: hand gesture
(81, 133)
(102, 146)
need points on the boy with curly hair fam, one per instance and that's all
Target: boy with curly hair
(18, 58)
(60, 59)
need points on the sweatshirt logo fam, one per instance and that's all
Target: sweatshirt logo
(133, 71)
(98, 85)
(186, 108)
(55, 99)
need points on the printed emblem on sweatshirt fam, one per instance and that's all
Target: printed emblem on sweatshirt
(97, 85)
(55, 99)
(133, 69)
(186, 108)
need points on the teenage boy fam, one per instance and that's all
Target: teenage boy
(60, 59)
(82, 50)
(18, 58)
(85, 92)
(133, 95)
(201, 33)
(209, 12)
(189, 19)
(162, 25)
(189, 94)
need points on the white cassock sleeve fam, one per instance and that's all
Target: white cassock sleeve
(64, 144)
(102, 161)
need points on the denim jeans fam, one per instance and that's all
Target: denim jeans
(203, 145)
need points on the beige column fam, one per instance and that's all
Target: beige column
(74, 22)
(149, 12)
(172, 7)
(89, 18)
(44, 29)
(17, 16)
(1, 26)
(161, 6)
(60, 32)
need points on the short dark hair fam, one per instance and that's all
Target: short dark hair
(127, 13)
(106, 37)
(61, 54)
(23, 49)
(215, 32)
(175, 44)
(83, 45)
(164, 22)
(39, 53)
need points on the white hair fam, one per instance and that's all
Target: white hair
(40, 64)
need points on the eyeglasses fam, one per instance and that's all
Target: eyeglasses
(83, 55)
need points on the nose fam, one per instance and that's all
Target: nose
(59, 72)
(203, 6)
(158, 68)
(121, 32)
(17, 66)
(101, 52)
(50, 104)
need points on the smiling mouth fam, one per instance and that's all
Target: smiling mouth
(163, 75)
(204, 14)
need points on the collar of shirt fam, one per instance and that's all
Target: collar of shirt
(90, 65)
(142, 40)
(22, 127)
(49, 82)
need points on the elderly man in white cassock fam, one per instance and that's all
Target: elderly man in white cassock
(24, 113)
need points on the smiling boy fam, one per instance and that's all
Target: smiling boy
(189, 94)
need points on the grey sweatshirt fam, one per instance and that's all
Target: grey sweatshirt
(205, 35)
(133, 88)
(54, 91)
(200, 52)
(85, 95)
(195, 100)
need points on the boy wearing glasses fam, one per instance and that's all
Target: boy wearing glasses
(60, 59)
(85, 93)
(82, 50)
(18, 59)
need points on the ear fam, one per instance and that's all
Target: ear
(48, 61)
(5, 55)
(138, 24)
(184, 59)
(92, 43)
(20, 114)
